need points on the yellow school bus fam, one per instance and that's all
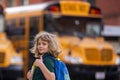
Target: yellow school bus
(78, 26)
(10, 58)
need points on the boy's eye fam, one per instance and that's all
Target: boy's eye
(44, 43)
(38, 43)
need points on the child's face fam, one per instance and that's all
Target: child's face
(42, 46)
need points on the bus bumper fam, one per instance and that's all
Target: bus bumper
(89, 72)
(12, 72)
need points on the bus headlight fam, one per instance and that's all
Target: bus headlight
(73, 60)
(118, 61)
(16, 60)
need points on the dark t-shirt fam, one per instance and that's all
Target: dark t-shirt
(49, 63)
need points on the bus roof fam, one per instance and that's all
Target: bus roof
(28, 8)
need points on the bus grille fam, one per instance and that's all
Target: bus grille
(92, 54)
(2, 56)
(96, 55)
(106, 55)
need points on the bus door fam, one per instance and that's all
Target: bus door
(34, 24)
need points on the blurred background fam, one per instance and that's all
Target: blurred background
(88, 30)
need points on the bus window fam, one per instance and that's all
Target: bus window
(10, 25)
(1, 23)
(34, 24)
(93, 29)
(1, 19)
(20, 29)
(13, 29)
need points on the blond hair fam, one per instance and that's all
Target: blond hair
(53, 44)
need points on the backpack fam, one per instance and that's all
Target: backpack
(61, 71)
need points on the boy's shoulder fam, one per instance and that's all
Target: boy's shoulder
(48, 57)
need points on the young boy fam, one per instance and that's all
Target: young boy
(45, 45)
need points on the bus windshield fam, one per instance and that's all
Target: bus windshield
(72, 25)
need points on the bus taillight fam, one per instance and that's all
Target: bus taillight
(54, 9)
(95, 11)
